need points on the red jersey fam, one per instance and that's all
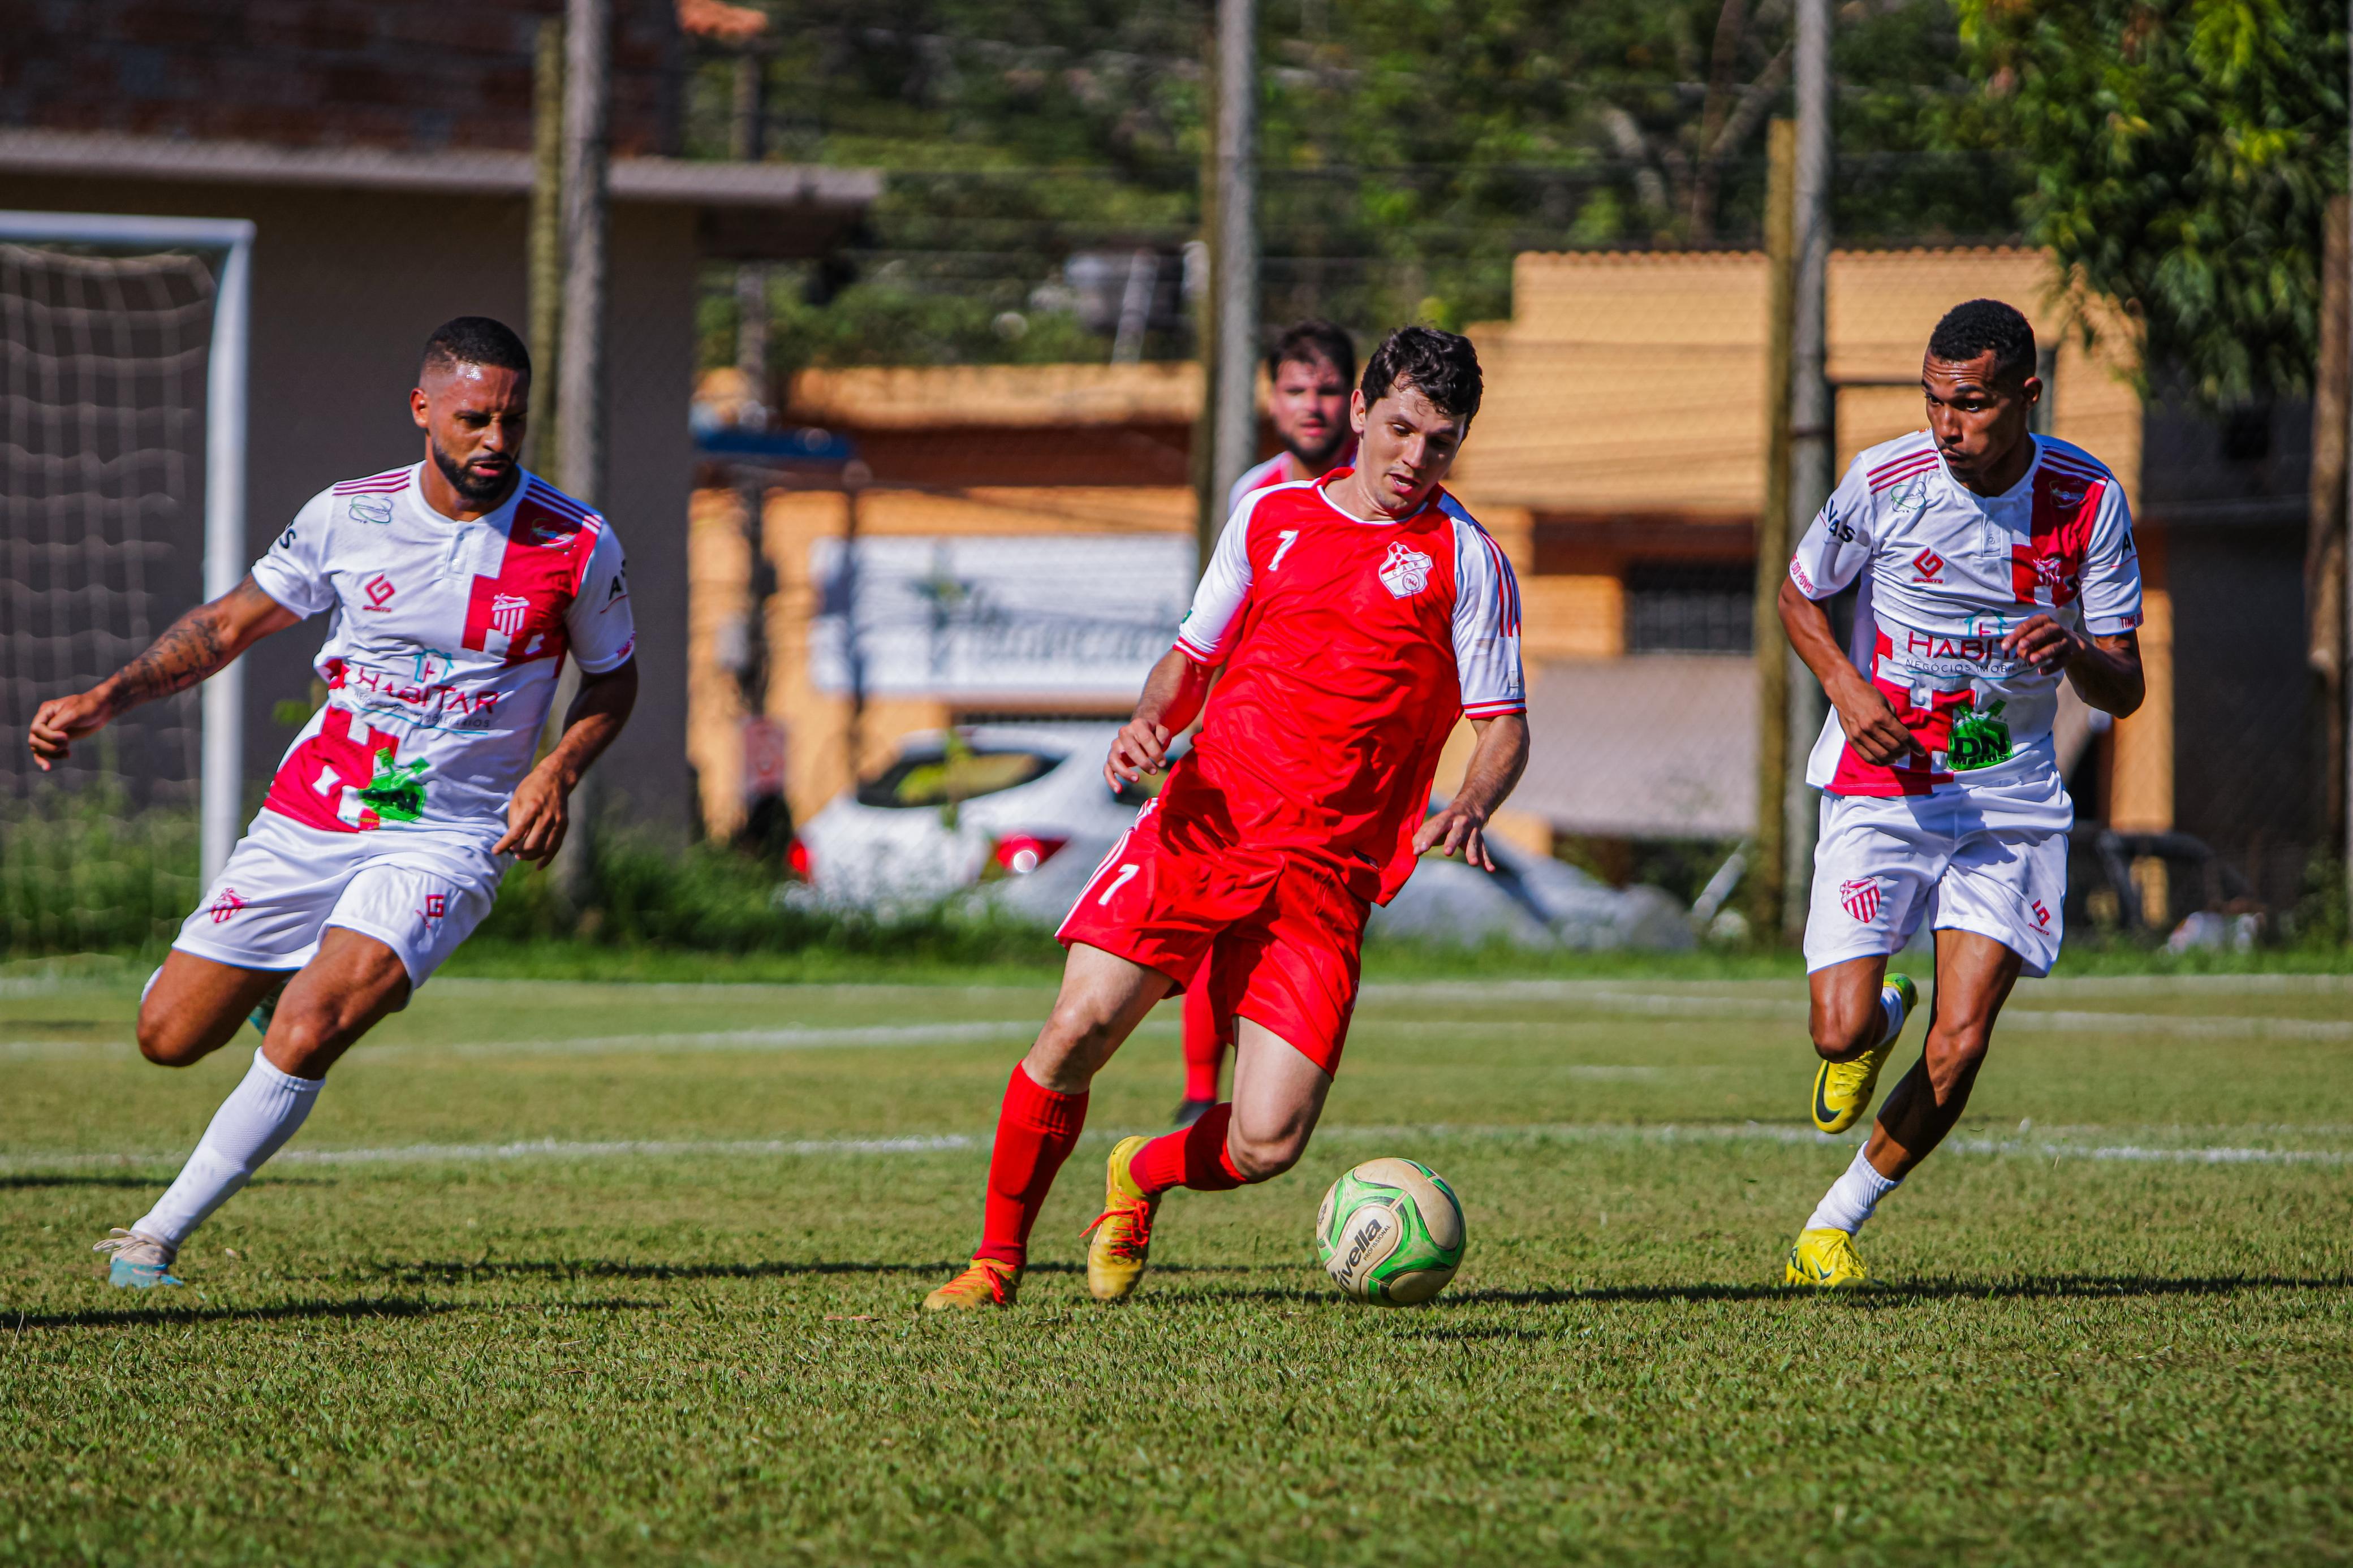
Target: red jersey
(1350, 648)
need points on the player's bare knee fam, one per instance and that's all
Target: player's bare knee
(167, 1041)
(1263, 1159)
(1842, 1034)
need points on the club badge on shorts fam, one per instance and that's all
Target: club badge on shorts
(1405, 572)
(1860, 899)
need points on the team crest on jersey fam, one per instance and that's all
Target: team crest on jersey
(1912, 498)
(1860, 899)
(1405, 572)
(507, 614)
(376, 510)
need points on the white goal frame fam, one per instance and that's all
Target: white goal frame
(221, 780)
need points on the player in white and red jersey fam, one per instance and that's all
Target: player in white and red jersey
(1356, 618)
(458, 585)
(1310, 372)
(1994, 563)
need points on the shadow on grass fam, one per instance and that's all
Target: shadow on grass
(140, 1317)
(26, 1181)
(2070, 1287)
(161, 1177)
(458, 1272)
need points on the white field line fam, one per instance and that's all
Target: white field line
(1543, 1132)
(1770, 1008)
(1592, 1005)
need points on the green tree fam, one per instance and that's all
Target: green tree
(2184, 152)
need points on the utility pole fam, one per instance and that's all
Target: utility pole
(746, 136)
(580, 403)
(2325, 544)
(1234, 275)
(1767, 865)
(1201, 269)
(544, 278)
(1810, 416)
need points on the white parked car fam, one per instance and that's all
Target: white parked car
(960, 807)
(1020, 813)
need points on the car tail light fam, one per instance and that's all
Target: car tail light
(796, 859)
(1023, 853)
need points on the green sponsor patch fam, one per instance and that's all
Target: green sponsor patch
(396, 794)
(1979, 740)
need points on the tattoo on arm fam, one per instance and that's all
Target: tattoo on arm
(199, 643)
(190, 649)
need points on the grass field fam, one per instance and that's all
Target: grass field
(581, 1272)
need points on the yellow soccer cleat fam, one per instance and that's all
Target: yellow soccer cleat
(988, 1283)
(1122, 1232)
(1842, 1090)
(1825, 1259)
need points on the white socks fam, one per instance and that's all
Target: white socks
(1852, 1198)
(1891, 1007)
(253, 1123)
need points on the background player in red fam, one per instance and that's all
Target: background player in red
(458, 585)
(1356, 619)
(1310, 371)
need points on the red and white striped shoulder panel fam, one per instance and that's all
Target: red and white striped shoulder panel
(1913, 455)
(547, 516)
(375, 484)
(1468, 535)
(2075, 463)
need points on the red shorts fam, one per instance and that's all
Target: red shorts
(1287, 931)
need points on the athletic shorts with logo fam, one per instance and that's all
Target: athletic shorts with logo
(1988, 858)
(1286, 930)
(419, 893)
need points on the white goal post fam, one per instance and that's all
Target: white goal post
(221, 774)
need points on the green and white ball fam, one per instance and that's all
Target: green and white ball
(1390, 1232)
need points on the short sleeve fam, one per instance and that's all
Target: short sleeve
(1205, 633)
(602, 630)
(1486, 626)
(1835, 545)
(293, 569)
(2111, 597)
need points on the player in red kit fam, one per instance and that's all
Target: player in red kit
(1354, 618)
(1310, 373)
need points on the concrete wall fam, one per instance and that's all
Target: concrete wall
(346, 287)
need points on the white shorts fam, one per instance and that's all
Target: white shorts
(1990, 860)
(420, 894)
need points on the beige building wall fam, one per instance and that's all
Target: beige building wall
(1635, 381)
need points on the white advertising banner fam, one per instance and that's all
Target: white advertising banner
(964, 615)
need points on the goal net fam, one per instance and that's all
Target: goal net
(107, 388)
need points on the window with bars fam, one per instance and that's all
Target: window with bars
(1689, 607)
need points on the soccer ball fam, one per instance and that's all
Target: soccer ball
(1390, 1232)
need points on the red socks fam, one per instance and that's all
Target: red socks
(1191, 1157)
(1036, 1131)
(1205, 1043)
